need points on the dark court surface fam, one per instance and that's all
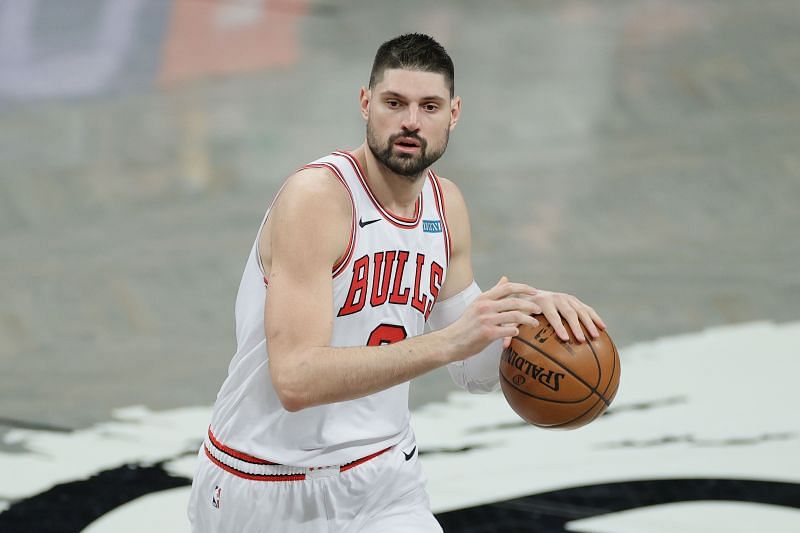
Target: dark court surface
(642, 155)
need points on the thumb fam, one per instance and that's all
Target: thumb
(503, 279)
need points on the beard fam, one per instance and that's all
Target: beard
(409, 166)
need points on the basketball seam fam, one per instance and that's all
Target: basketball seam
(597, 361)
(613, 372)
(573, 374)
(601, 397)
(616, 358)
(600, 371)
(562, 424)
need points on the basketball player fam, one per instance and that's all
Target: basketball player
(359, 251)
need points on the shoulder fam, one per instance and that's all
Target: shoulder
(452, 194)
(459, 273)
(455, 209)
(316, 185)
(311, 215)
(316, 191)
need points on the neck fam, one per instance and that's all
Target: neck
(396, 193)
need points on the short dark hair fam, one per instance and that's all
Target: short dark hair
(413, 51)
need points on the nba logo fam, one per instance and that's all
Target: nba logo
(215, 497)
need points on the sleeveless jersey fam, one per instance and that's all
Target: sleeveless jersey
(384, 288)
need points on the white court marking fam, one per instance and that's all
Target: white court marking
(694, 517)
(161, 511)
(722, 405)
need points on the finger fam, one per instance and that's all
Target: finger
(516, 318)
(583, 315)
(507, 340)
(596, 318)
(507, 332)
(586, 320)
(555, 320)
(506, 289)
(571, 316)
(571, 308)
(518, 304)
(529, 305)
(531, 299)
(581, 308)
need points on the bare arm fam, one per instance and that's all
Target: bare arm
(459, 270)
(308, 221)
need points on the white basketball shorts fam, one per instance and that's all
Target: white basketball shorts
(382, 493)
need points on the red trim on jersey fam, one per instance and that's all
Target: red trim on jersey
(253, 477)
(439, 196)
(400, 222)
(261, 228)
(348, 466)
(340, 265)
(236, 454)
(278, 477)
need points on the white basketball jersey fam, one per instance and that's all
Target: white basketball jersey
(383, 291)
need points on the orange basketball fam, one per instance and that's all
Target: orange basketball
(559, 385)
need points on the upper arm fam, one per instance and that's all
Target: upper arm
(459, 270)
(309, 231)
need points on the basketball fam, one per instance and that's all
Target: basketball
(559, 385)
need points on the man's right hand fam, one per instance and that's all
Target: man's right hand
(495, 314)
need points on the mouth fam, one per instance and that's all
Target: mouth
(408, 145)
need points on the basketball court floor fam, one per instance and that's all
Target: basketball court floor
(643, 155)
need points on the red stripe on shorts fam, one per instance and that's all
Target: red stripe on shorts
(253, 477)
(348, 466)
(233, 453)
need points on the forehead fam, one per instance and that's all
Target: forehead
(413, 83)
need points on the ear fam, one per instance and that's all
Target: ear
(455, 112)
(364, 98)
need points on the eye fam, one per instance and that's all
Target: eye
(394, 104)
(431, 108)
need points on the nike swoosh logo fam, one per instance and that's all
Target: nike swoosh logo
(410, 454)
(363, 223)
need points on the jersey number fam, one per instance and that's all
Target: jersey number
(386, 334)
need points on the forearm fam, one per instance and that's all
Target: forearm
(479, 372)
(321, 375)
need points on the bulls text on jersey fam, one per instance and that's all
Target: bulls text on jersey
(379, 280)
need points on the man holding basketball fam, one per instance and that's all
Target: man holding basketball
(359, 251)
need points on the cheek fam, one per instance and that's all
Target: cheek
(439, 123)
(438, 130)
(380, 119)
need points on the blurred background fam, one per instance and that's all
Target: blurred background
(640, 154)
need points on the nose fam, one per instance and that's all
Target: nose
(411, 118)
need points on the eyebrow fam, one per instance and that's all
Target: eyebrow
(433, 98)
